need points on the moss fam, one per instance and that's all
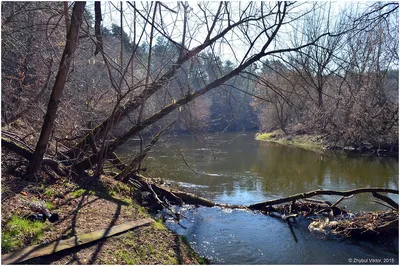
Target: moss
(128, 201)
(125, 256)
(134, 251)
(141, 209)
(121, 187)
(19, 232)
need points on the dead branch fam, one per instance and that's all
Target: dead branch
(260, 205)
(124, 175)
(386, 199)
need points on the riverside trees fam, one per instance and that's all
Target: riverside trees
(165, 63)
(345, 87)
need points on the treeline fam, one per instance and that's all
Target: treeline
(345, 88)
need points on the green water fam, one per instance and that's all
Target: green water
(236, 169)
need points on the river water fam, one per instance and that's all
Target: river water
(236, 169)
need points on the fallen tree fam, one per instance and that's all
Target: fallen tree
(259, 206)
(326, 217)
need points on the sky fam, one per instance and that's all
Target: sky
(234, 47)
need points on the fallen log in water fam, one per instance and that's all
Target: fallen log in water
(340, 221)
(259, 206)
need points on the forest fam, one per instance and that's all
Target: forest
(79, 80)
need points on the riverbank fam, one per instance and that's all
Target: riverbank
(321, 143)
(309, 142)
(84, 206)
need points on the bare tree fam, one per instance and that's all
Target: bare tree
(72, 39)
(270, 18)
(158, 72)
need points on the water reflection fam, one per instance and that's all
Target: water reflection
(236, 169)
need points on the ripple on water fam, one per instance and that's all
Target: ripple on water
(190, 185)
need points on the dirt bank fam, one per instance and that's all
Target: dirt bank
(84, 206)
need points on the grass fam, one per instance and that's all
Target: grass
(126, 256)
(158, 225)
(80, 192)
(49, 206)
(121, 188)
(133, 251)
(270, 136)
(118, 189)
(141, 209)
(128, 201)
(153, 244)
(19, 232)
(307, 142)
(49, 193)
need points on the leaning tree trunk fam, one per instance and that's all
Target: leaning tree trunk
(69, 50)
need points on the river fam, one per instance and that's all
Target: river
(234, 168)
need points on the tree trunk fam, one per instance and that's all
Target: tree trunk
(320, 100)
(91, 160)
(101, 129)
(69, 50)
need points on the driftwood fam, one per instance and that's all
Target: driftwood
(386, 199)
(58, 245)
(178, 197)
(367, 225)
